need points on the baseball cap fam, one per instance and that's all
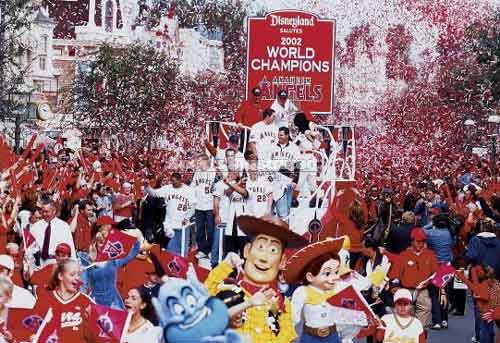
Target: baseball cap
(7, 262)
(105, 220)
(282, 93)
(234, 138)
(418, 234)
(402, 294)
(127, 185)
(63, 248)
(256, 91)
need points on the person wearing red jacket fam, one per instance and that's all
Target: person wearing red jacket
(414, 271)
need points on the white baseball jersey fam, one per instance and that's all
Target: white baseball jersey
(180, 204)
(285, 156)
(259, 192)
(203, 183)
(283, 113)
(264, 136)
(229, 206)
(404, 331)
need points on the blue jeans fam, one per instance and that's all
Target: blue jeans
(483, 330)
(333, 338)
(486, 332)
(174, 245)
(204, 230)
(218, 234)
(283, 204)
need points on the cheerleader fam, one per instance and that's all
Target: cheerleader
(70, 308)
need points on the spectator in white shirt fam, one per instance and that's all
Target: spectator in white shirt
(51, 231)
(283, 108)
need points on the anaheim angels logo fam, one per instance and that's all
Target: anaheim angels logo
(105, 325)
(113, 249)
(32, 322)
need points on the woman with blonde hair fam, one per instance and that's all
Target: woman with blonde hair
(63, 296)
(101, 277)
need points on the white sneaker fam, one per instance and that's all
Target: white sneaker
(200, 254)
(444, 324)
(474, 340)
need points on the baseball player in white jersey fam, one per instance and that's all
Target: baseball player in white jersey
(285, 157)
(180, 201)
(259, 192)
(263, 135)
(203, 184)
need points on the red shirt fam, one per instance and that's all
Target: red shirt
(120, 200)
(83, 233)
(249, 113)
(70, 315)
(413, 269)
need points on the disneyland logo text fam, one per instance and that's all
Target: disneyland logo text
(294, 22)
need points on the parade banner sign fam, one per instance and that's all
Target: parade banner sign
(292, 50)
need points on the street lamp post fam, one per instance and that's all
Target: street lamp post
(22, 113)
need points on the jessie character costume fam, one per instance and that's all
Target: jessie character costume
(311, 313)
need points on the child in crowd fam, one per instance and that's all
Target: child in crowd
(401, 326)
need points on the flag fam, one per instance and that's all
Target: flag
(174, 265)
(36, 153)
(28, 239)
(445, 274)
(351, 299)
(41, 276)
(117, 245)
(23, 323)
(29, 146)
(107, 324)
(13, 182)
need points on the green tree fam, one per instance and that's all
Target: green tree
(15, 22)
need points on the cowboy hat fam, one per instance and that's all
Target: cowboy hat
(272, 226)
(302, 258)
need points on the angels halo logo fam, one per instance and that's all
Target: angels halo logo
(113, 249)
(32, 322)
(105, 325)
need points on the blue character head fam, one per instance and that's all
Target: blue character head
(187, 313)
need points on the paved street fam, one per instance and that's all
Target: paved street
(461, 329)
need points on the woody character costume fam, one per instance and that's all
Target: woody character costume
(311, 313)
(263, 255)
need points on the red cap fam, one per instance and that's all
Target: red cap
(417, 234)
(105, 220)
(63, 248)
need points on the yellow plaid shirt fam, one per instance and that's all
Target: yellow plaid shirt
(256, 325)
